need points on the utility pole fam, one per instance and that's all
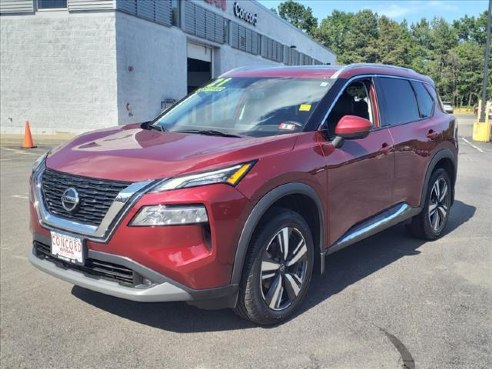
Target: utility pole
(486, 67)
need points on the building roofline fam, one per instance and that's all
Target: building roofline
(294, 27)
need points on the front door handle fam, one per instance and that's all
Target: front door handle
(385, 148)
(432, 134)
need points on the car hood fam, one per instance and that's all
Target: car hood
(130, 153)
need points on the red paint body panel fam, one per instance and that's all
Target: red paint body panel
(359, 184)
(129, 153)
(413, 151)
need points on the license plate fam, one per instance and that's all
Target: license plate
(67, 248)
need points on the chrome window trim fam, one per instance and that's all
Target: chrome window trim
(371, 75)
(123, 202)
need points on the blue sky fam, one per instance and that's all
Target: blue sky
(410, 10)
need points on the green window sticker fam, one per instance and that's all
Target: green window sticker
(216, 86)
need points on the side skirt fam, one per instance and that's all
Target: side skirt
(376, 224)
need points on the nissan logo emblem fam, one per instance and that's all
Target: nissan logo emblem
(70, 199)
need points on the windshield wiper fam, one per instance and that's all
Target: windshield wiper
(149, 126)
(208, 132)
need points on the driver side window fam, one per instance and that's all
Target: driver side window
(354, 100)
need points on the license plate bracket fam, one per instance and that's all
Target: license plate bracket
(68, 248)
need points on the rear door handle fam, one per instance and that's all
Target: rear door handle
(385, 148)
(432, 134)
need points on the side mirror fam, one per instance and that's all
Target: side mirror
(352, 127)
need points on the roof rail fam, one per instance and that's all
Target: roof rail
(281, 66)
(381, 65)
(377, 65)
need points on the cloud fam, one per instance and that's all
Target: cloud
(395, 11)
(401, 9)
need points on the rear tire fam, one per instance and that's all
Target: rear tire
(432, 220)
(278, 268)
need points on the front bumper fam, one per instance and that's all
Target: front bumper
(162, 288)
(198, 256)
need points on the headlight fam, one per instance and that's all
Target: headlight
(38, 162)
(231, 175)
(161, 215)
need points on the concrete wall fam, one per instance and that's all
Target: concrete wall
(58, 70)
(151, 64)
(77, 71)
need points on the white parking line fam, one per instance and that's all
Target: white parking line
(472, 145)
(19, 257)
(20, 197)
(20, 152)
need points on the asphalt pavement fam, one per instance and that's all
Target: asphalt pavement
(390, 301)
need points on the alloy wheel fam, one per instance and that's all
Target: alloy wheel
(283, 268)
(439, 204)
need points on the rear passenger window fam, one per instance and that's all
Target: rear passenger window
(424, 99)
(434, 95)
(396, 101)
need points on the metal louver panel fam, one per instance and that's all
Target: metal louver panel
(189, 19)
(254, 43)
(280, 52)
(200, 22)
(210, 25)
(242, 38)
(219, 29)
(249, 41)
(264, 46)
(163, 12)
(16, 6)
(81, 5)
(235, 35)
(145, 9)
(127, 6)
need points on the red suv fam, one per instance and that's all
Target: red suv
(234, 196)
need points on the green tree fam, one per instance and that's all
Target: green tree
(300, 16)
(333, 31)
(421, 53)
(393, 44)
(469, 78)
(452, 54)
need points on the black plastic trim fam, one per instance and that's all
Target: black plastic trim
(260, 208)
(442, 154)
(225, 293)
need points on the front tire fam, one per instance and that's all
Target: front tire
(432, 220)
(278, 268)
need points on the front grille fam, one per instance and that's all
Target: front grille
(93, 268)
(95, 195)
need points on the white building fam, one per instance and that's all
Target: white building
(77, 65)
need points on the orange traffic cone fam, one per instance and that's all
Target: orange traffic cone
(27, 142)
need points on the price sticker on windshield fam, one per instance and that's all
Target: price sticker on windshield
(305, 107)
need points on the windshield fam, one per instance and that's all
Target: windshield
(247, 106)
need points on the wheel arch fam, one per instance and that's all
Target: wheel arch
(289, 196)
(442, 159)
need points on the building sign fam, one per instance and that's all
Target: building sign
(245, 15)
(221, 4)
